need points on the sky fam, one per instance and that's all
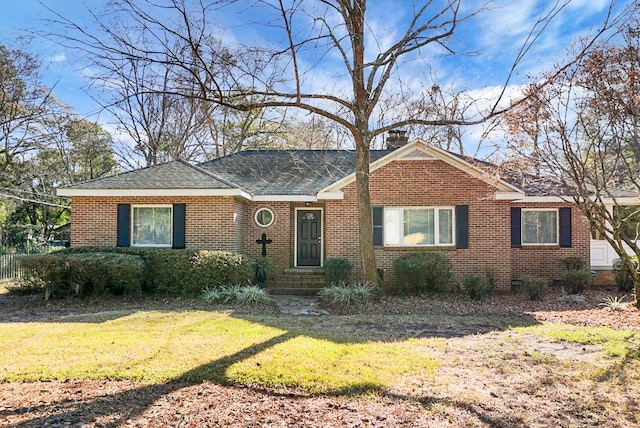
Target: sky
(485, 46)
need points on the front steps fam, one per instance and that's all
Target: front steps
(297, 281)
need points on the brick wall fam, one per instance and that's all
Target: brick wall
(435, 183)
(280, 232)
(543, 261)
(212, 223)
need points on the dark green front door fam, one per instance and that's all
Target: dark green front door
(309, 237)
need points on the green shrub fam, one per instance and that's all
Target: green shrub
(337, 270)
(216, 268)
(576, 281)
(536, 287)
(163, 270)
(245, 295)
(60, 274)
(346, 294)
(573, 263)
(478, 287)
(422, 271)
(621, 275)
(265, 263)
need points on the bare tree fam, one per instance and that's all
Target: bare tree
(367, 94)
(581, 130)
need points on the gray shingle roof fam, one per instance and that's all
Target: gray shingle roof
(170, 175)
(286, 172)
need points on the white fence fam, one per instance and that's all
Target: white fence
(9, 268)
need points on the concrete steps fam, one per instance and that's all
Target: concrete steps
(297, 281)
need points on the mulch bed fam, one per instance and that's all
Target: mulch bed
(79, 403)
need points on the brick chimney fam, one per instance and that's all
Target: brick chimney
(396, 139)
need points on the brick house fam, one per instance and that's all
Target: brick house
(304, 202)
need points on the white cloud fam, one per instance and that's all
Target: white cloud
(59, 57)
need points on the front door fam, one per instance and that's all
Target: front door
(309, 237)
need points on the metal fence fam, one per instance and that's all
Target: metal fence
(9, 268)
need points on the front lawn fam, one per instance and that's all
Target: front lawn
(218, 367)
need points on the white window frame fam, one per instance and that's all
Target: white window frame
(537, 244)
(399, 228)
(273, 216)
(133, 216)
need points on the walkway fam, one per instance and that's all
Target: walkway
(299, 305)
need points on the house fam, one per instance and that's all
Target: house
(304, 203)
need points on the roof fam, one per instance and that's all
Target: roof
(171, 175)
(286, 172)
(300, 175)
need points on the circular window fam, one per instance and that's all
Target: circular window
(264, 217)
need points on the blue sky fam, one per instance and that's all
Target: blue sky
(490, 41)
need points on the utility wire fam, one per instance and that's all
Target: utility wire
(34, 201)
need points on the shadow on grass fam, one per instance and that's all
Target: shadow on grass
(119, 408)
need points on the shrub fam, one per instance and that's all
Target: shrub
(614, 303)
(573, 263)
(478, 287)
(576, 281)
(621, 275)
(246, 295)
(217, 268)
(536, 287)
(61, 274)
(93, 270)
(337, 270)
(345, 294)
(422, 271)
(265, 263)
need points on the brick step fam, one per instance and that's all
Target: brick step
(297, 291)
(297, 281)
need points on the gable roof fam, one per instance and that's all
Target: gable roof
(297, 175)
(418, 149)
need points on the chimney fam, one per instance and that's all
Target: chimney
(396, 139)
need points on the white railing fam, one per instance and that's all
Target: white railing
(9, 268)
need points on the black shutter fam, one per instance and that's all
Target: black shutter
(378, 226)
(516, 227)
(124, 225)
(565, 227)
(179, 221)
(462, 226)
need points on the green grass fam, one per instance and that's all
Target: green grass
(350, 355)
(616, 343)
(155, 347)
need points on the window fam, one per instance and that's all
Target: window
(151, 226)
(264, 217)
(418, 226)
(540, 227)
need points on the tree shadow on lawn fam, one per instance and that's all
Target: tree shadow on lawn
(119, 408)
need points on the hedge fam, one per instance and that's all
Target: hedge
(95, 270)
(62, 274)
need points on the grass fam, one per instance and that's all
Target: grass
(494, 370)
(155, 347)
(616, 343)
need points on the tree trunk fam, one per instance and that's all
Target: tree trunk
(365, 221)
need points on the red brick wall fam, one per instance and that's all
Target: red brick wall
(212, 223)
(280, 232)
(543, 261)
(435, 183)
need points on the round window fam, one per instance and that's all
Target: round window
(264, 217)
